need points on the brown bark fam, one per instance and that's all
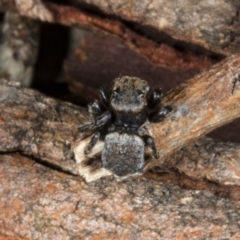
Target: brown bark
(114, 57)
(212, 25)
(37, 202)
(207, 159)
(161, 54)
(39, 126)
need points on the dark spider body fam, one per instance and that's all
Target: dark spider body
(119, 119)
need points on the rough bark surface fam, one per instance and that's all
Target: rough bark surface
(39, 126)
(161, 54)
(40, 203)
(207, 159)
(211, 24)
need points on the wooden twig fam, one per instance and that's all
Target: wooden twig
(200, 105)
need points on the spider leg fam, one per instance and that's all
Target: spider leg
(92, 143)
(102, 119)
(159, 114)
(104, 94)
(149, 142)
(94, 108)
(155, 98)
(86, 127)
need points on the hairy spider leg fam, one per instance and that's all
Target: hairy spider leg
(99, 122)
(94, 108)
(102, 119)
(159, 114)
(92, 143)
(149, 142)
(86, 127)
(104, 95)
(155, 98)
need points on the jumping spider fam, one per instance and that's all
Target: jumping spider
(119, 119)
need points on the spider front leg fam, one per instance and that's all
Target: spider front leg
(158, 115)
(155, 98)
(92, 143)
(104, 95)
(95, 109)
(149, 142)
(100, 121)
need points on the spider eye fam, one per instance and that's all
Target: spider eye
(116, 92)
(140, 94)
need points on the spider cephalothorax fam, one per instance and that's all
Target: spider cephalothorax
(119, 119)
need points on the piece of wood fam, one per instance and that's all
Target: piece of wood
(206, 102)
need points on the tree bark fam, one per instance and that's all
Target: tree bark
(161, 54)
(211, 25)
(37, 202)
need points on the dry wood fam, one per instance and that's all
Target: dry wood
(39, 203)
(201, 104)
(207, 159)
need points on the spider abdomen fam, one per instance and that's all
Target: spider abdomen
(123, 153)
